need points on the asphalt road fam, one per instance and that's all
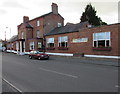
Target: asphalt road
(59, 74)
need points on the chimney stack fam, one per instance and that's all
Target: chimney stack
(25, 19)
(54, 8)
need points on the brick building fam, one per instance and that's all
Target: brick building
(31, 32)
(12, 44)
(1, 44)
(81, 38)
(48, 33)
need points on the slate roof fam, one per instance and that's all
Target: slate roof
(67, 29)
(13, 38)
(27, 25)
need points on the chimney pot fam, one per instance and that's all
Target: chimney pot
(25, 19)
(54, 8)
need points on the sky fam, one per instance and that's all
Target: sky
(12, 12)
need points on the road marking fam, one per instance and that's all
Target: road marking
(59, 73)
(12, 85)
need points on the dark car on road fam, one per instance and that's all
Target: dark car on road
(38, 55)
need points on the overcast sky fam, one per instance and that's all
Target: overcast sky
(12, 11)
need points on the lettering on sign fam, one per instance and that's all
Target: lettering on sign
(80, 40)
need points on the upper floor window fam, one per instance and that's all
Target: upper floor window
(38, 34)
(101, 39)
(22, 35)
(59, 24)
(63, 41)
(38, 23)
(50, 42)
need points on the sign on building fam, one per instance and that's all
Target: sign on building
(79, 40)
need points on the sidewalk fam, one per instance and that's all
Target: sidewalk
(93, 60)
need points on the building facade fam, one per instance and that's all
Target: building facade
(102, 41)
(12, 44)
(31, 32)
(1, 44)
(48, 33)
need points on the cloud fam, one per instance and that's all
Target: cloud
(3, 11)
(12, 4)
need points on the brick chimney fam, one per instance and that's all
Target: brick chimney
(54, 8)
(25, 19)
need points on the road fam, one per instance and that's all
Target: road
(59, 74)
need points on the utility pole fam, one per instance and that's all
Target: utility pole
(5, 35)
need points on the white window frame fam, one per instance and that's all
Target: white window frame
(12, 45)
(22, 35)
(39, 43)
(38, 34)
(59, 24)
(38, 23)
(60, 40)
(105, 38)
(50, 40)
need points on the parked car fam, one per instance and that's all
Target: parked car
(38, 55)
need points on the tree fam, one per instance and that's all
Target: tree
(90, 16)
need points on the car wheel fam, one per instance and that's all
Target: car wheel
(39, 58)
(30, 57)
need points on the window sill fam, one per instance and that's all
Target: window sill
(102, 49)
(62, 48)
(52, 48)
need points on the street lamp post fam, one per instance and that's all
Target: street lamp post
(10, 37)
(5, 35)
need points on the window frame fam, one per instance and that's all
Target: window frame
(38, 22)
(22, 35)
(59, 24)
(97, 40)
(53, 42)
(38, 34)
(38, 45)
(32, 42)
(60, 41)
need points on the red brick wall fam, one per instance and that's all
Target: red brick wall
(11, 47)
(35, 27)
(87, 47)
(47, 23)
(51, 22)
(35, 43)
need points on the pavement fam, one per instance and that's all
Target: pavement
(92, 60)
